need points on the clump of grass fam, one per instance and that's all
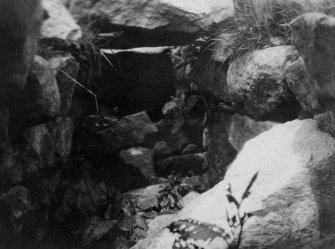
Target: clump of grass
(258, 22)
(86, 52)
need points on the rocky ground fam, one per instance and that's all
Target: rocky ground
(123, 123)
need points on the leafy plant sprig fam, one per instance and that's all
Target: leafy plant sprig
(189, 231)
(170, 198)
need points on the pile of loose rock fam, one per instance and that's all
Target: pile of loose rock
(116, 125)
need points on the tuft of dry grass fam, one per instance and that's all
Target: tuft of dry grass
(258, 23)
(86, 51)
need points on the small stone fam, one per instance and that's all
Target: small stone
(190, 149)
(184, 164)
(161, 150)
(146, 198)
(140, 158)
(96, 229)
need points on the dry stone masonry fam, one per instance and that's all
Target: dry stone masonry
(120, 117)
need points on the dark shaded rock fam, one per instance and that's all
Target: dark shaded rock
(96, 229)
(19, 30)
(161, 150)
(40, 100)
(146, 198)
(242, 128)
(66, 68)
(43, 187)
(140, 158)
(16, 204)
(120, 243)
(11, 171)
(302, 85)
(313, 35)
(128, 223)
(184, 164)
(220, 153)
(137, 235)
(78, 112)
(209, 70)
(22, 225)
(120, 175)
(180, 132)
(48, 144)
(36, 148)
(5, 151)
(85, 197)
(326, 122)
(4, 121)
(190, 149)
(127, 132)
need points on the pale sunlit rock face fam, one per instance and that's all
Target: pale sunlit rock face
(292, 194)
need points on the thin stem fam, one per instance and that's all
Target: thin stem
(82, 86)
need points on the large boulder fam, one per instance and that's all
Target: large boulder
(313, 35)
(292, 199)
(173, 16)
(59, 23)
(257, 80)
(19, 28)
